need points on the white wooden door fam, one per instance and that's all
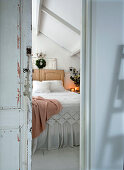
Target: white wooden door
(15, 88)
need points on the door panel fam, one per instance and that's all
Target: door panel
(9, 149)
(15, 107)
(10, 118)
(9, 54)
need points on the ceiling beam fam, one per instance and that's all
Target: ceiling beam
(75, 53)
(38, 15)
(52, 14)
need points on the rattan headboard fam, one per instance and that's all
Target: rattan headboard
(42, 75)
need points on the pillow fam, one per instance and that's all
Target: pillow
(41, 87)
(56, 86)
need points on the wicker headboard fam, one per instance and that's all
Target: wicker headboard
(42, 75)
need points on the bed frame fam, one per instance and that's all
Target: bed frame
(43, 74)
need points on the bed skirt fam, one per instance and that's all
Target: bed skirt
(62, 130)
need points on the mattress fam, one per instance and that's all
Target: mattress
(62, 129)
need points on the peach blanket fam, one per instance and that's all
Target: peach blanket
(42, 110)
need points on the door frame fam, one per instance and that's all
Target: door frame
(87, 64)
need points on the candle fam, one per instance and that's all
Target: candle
(72, 90)
(77, 89)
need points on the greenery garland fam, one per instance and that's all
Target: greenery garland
(40, 63)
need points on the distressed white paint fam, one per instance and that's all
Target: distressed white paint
(9, 147)
(8, 57)
(15, 33)
(27, 80)
(10, 118)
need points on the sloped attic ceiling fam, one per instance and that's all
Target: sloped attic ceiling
(59, 20)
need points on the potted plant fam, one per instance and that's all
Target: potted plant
(75, 77)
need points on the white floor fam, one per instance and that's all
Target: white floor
(62, 159)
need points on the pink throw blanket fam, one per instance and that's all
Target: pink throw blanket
(42, 110)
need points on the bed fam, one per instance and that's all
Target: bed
(63, 129)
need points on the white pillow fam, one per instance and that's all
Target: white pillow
(41, 87)
(56, 86)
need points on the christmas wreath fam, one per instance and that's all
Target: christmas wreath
(40, 63)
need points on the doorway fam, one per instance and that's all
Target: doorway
(56, 46)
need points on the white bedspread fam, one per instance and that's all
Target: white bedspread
(62, 129)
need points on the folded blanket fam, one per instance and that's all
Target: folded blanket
(42, 110)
